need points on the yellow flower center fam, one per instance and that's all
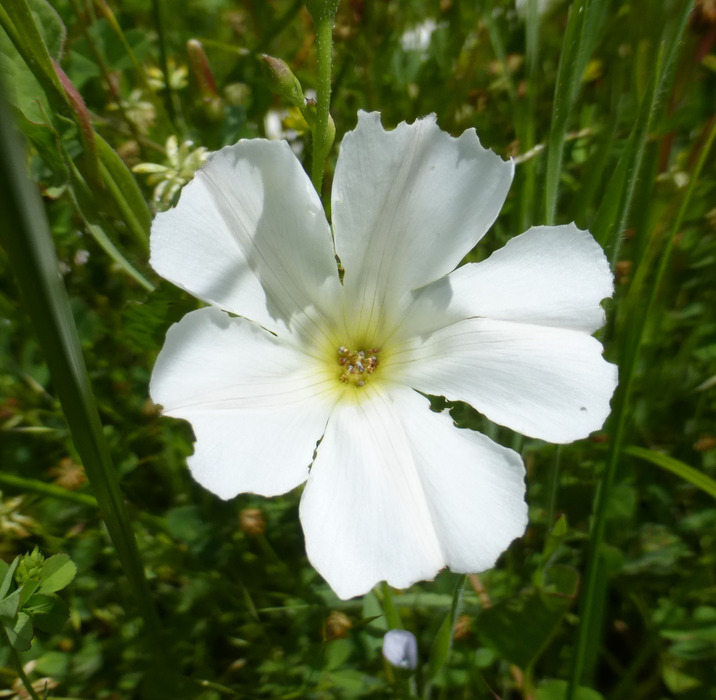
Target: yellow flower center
(356, 366)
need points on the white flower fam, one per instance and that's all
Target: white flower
(400, 648)
(317, 379)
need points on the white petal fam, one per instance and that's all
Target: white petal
(257, 405)
(363, 511)
(549, 276)
(549, 383)
(474, 487)
(407, 205)
(249, 235)
(397, 492)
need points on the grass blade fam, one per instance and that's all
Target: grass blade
(675, 466)
(580, 38)
(594, 592)
(28, 244)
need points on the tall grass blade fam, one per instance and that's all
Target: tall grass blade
(675, 466)
(594, 592)
(612, 215)
(580, 38)
(28, 244)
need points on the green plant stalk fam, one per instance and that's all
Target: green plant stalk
(321, 140)
(169, 95)
(580, 37)
(28, 243)
(20, 670)
(594, 594)
(525, 119)
(563, 98)
(499, 48)
(41, 487)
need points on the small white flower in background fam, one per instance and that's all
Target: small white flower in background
(181, 164)
(178, 76)
(400, 648)
(418, 38)
(138, 110)
(312, 364)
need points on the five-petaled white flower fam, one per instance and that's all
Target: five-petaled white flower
(310, 377)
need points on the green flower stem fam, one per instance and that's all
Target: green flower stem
(593, 595)
(322, 140)
(41, 487)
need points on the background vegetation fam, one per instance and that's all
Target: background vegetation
(608, 108)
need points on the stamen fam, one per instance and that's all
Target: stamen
(356, 365)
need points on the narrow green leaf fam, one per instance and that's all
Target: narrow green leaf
(8, 576)
(440, 650)
(28, 244)
(585, 19)
(675, 466)
(57, 572)
(126, 193)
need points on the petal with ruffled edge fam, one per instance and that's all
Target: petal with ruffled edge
(549, 276)
(249, 235)
(407, 205)
(397, 492)
(474, 487)
(257, 406)
(548, 383)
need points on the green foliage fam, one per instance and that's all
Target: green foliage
(27, 596)
(608, 113)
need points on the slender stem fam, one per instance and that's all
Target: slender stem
(168, 93)
(41, 487)
(20, 670)
(322, 140)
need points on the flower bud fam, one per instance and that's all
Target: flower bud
(281, 80)
(337, 626)
(309, 114)
(252, 521)
(400, 649)
(29, 568)
(212, 103)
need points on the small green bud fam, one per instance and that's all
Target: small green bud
(212, 103)
(309, 114)
(281, 80)
(29, 567)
